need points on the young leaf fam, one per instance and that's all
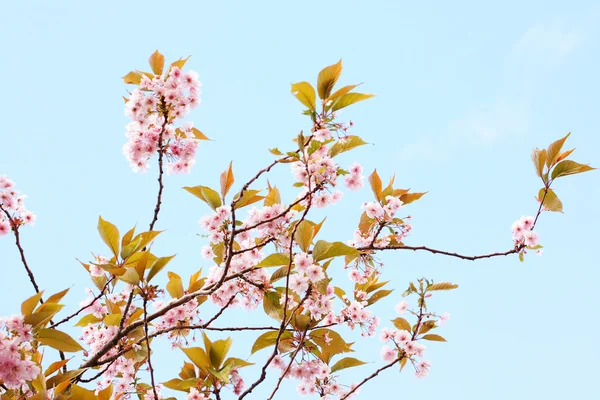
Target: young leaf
(434, 337)
(29, 305)
(327, 79)
(345, 144)
(551, 200)
(346, 362)
(198, 356)
(539, 160)
(132, 78)
(304, 235)
(410, 197)
(401, 324)
(442, 286)
(179, 63)
(568, 167)
(175, 285)
(268, 339)
(554, 150)
(275, 260)
(376, 184)
(158, 265)
(58, 340)
(157, 62)
(349, 99)
(110, 235)
(324, 250)
(226, 181)
(305, 93)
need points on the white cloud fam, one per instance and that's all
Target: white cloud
(547, 41)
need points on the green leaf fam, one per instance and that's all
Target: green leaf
(29, 305)
(58, 340)
(346, 362)
(568, 167)
(304, 92)
(434, 337)
(551, 200)
(442, 286)
(158, 265)
(554, 150)
(110, 235)
(324, 250)
(327, 79)
(401, 324)
(275, 260)
(349, 99)
(345, 144)
(222, 374)
(304, 235)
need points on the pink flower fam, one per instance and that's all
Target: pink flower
(444, 318)
(531, 238)
(401, 307)
(322, 135)
(422, 369)
(388, 354)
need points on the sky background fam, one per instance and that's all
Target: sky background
(464, 91)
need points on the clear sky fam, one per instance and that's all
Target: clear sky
(465, 90)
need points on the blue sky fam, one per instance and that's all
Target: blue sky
(464, 92)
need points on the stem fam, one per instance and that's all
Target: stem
(160, 167)
(145, 300)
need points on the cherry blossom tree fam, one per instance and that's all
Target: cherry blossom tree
(267, 257)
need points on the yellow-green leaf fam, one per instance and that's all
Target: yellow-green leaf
(539, 160)
(568, 167)
(304, 92)
(345, 144)
(346, 362)
(158, 265)
(551, 200)
(275, 260)
(304, 235)
(175, 285)
(58, 340)
(29, 305)
(110, 235)
(198, 356)
(349, 99)
(327, 79)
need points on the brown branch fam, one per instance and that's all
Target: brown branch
(300, 345)
(62, 321)
(150, 369)
(160, 166)
(446, 253)
(373, 375)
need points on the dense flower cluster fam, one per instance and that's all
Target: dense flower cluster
(12, 210)
(153, 108)
(16, 365)
(315, 377)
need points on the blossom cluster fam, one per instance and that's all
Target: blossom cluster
(16, 365)
(153, 108)
(523, 233)
(12, 210)
(315, 377)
